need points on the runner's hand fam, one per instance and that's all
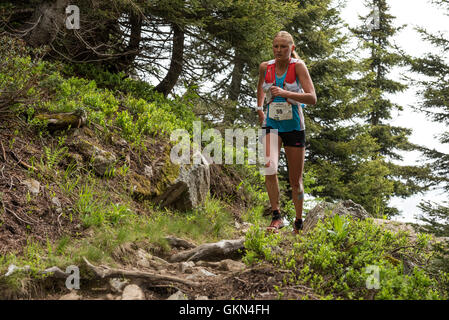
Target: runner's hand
(277, 92)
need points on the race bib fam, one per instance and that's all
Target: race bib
(281, 111)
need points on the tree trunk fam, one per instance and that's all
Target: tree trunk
(234, 88)
(132, 49)
(176, 64)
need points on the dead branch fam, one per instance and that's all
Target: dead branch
(65, 120)
(23, 164)
(15, 215)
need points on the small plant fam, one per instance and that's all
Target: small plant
(340, 228)
(259, 245)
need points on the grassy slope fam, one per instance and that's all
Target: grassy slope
(101, 213)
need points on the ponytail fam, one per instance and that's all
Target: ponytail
(295, 55)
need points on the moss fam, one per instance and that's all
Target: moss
(140, 187)
(169, 173)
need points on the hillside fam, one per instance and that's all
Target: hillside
(85, 170)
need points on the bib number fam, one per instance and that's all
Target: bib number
(281, 111)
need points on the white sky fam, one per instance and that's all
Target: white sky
(412, 13)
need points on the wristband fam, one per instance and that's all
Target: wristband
(259, 108)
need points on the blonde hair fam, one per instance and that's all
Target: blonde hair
(288, 36)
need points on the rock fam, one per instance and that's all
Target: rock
(143, 258)
(101, 161)
(70, 296)
(223, 265)
(231, 265)
(201, 298)
(192, 277)
(33, 186)
(328, 210)
(133, 292)
(178, 295)
(186, 267)
(206, 273)
(189, 190)
(117, 284)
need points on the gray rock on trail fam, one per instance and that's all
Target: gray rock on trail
(186, 267)
(178, 295)
(117, 284)
(223, 265)
(206, 273)
(189, 190)
(326, 209)
(133, 292)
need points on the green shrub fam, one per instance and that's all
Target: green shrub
(19, 75)
(340, 255)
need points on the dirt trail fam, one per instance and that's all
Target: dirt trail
(139, 275)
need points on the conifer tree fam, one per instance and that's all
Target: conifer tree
(434, 69)
(375, 36)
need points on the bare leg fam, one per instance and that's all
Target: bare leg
(271, 165)
(295, 159)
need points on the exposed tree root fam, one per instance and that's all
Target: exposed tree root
(106, 272)
(210, 251)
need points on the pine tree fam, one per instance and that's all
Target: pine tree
(375, 36)
(434, 67)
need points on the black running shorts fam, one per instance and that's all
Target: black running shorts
(293, 138)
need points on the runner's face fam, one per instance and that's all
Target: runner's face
(281, 48)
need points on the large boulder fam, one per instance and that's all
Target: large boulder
(326, 209)
(189, 190)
